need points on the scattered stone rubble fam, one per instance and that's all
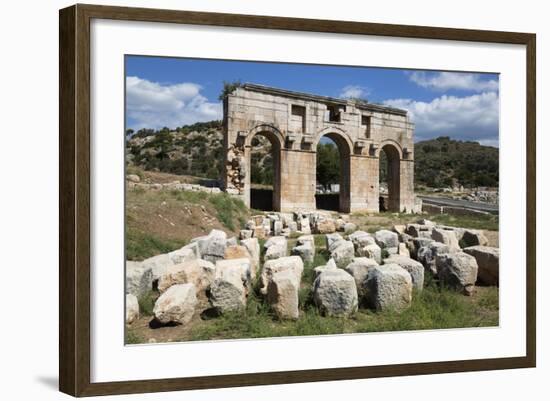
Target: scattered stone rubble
(133, 181)
(381, 270)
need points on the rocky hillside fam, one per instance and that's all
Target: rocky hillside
(196, 150)
(190, 150)
(444, 162)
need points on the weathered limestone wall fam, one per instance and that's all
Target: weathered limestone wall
(294, 123)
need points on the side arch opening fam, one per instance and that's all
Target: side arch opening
(390, 178)
(333, 173)
(264, 161)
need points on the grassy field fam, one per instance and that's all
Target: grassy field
(372, 222)
(161, 221)
(433, 308)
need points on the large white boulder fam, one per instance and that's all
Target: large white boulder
(277, 227)
(487, 259)
(350, 227)
(331, 239)
(275, 251)
(243, 265)
(139, 278)
(325, 225)
(228, 292)
(427, 255)
(415, 269)
(458, 271)
(274, 241)
(182, 255)
(176, 305)
(194, 246)
(305, 251)
(294, 264)
(198, 272)
(342, 252)
(388, 287)
(354, 236)
(386, 239)
(304, 225)
(447, 237)
(359, 269)
(276, 247)
(240, 252)
(371, 251)
(132, 308)
(158, 264)
(282, 294)
(212, 246)
(335, 293)
(253, 247)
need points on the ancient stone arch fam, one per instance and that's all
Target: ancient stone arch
(294, 123)
(345, 148)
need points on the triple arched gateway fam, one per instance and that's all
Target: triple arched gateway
(294, 123)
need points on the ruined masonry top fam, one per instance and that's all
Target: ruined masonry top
(318, 98)
(294, 123)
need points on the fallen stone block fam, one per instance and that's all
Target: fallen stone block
(227, 292)
(488, 259)
(176, 305)
(359, 269)
(335, 293)
(457, 271)
(389, 287)
(132, 308)
(139, 278)
(447, 237)
(292, 263)
(342, 252)
(282, 294)
(386, 239)
(415, 269)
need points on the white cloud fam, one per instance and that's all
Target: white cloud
(468, 118)
(442, 81)
(154, 105)
(353, 91)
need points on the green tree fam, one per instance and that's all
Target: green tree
(229, 87)
(328, 164)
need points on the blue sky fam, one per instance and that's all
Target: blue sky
(171, 92)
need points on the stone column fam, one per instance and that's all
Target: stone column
(364, 186)
(297, 180)
(406, 186)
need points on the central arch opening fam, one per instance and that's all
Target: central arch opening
(264, 165)
(332, 173)
(389, 179)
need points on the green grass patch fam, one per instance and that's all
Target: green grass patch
(433, 308)
(228, 209)
(320, 241)
(147, 303)
(140, 245)
(479, 222)
(131, 337)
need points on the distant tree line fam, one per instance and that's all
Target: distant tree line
(444, 162)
